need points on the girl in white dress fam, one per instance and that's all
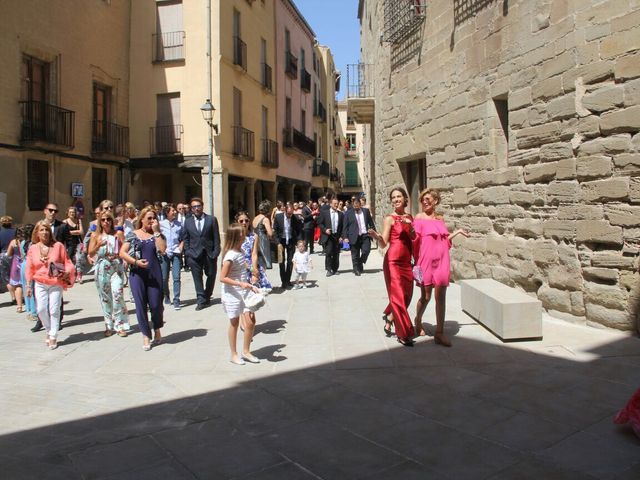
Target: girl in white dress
(301, 264)
(235, 287)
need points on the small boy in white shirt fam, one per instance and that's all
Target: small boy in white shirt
(301, 264)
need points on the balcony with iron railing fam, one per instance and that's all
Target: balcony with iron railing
(110, 139)
(267, 77)
(305, 80)
(320, 112)
(239, 53)
(243, 143)
(47, 125)
(296, 140)
(291, 65)
(335, 175)
(166, 140)
(270, 153)
(168, 46)
(360, 94)
(321, 168)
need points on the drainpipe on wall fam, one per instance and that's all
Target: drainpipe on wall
(209, 95)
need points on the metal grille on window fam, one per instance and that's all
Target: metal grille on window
(402, 17)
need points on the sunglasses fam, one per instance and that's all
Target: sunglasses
(193, 207)
(53, 210)
(109, 207)
(106, 220)
(243, 221)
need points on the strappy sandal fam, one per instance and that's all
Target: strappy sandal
(387, 326)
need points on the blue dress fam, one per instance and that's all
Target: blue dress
(247, 246)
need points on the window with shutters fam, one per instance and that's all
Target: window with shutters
(37, 184)
(98, 185)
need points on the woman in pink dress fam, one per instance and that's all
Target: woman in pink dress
(432, 268)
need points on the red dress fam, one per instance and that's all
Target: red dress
(398, 276)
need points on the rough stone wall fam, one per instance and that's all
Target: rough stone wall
(555, 209)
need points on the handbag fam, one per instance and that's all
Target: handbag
(417, 274)
(254, 301)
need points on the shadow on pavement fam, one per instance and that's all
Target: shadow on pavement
(474, 411)
(270, 327)
(184, 335)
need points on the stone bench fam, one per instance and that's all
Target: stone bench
(506, 312)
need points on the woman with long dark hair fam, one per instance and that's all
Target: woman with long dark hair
(399, 234)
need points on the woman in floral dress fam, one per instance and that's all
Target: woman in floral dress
(109, 274)
(256, 273)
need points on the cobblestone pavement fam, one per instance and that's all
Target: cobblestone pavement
(333, 398)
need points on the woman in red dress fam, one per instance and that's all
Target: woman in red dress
(398, 233)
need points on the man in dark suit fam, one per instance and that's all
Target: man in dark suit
(201, 238)
(59, 230)
(287, 229)
(330, 222)
(357, 223)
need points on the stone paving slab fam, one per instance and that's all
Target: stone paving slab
(333, 397)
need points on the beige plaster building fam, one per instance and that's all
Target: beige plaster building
(355, 179)
(170, 83)
(64, 104)
(525, 114)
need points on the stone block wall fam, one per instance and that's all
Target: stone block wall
(551, 194)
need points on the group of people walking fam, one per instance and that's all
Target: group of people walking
(144, 249)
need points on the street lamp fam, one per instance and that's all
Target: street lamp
(208, 110)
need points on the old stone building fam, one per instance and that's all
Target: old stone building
(525, 114)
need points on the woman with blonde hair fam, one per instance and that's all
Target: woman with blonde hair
(141, 250)
(104, 247)
(52, 271)
(432, 270)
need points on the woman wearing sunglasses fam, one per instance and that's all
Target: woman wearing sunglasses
(104, 247)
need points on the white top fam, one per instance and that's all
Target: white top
(302, 262)
(238, 272)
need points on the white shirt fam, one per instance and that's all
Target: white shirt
(301, 259)
(287, 229)
(362, 226)
(199, 223)
(334, 221)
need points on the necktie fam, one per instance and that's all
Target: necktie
(199, 222)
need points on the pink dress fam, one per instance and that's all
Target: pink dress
(431, 252)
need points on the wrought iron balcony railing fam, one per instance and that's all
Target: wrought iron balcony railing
(168, 46)
(270, 153)
(166, 140)
(291, 65)
(335, 175)
(360, 80)
(321, 168)
(110, 138)
(243, 144)
(42, 122)
(239, 53)
(305, 80)
(299, 141)
(267, 77)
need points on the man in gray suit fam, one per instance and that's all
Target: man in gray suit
(201, 238)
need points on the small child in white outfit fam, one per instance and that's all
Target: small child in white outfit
(301, 264)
